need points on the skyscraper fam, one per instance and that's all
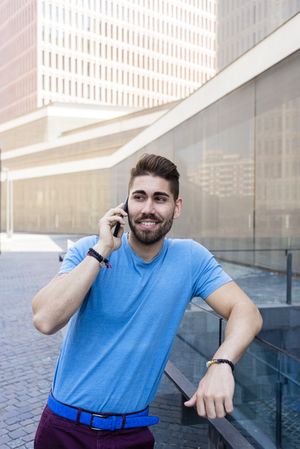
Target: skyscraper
(137, 53)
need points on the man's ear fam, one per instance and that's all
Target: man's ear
(178, 207)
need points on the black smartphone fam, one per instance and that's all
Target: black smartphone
(125, 207)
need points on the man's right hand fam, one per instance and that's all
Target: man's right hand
(107, 242)
(54, 304)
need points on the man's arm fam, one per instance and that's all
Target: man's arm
(54, 304)
(214, 395)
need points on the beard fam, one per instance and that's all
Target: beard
(149, 237)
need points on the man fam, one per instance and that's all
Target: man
(124, 298)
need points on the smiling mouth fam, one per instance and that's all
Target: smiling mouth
(147, 224)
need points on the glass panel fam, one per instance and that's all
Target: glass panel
(278, 162)
(262, 286)
(196, 341)
(179, 427)
(214, 151)
(267, 398)
(282, 328)
(267, 395)
(290, 410)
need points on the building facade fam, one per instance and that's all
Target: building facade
(241, 24)
(137, 53)
(18, 58)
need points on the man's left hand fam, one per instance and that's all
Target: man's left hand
(213, 398)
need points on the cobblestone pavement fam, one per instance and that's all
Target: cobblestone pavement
(27, 357)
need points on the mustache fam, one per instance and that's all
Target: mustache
(149, 217)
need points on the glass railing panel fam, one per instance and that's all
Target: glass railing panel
(179, 427)
(286, 335)
(263, 286)
(289, 432)
(267, 398)
(196, 340)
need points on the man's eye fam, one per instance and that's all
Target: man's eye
(161, 199)
(138, 197)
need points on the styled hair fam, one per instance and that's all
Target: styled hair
(152, 164)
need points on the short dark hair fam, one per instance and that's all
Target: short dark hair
(155, 165)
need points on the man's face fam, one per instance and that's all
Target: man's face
(151, 208)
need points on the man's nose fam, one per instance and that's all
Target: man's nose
(148, 207)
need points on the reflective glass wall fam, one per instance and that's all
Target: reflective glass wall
(277, 159)
(239, 161)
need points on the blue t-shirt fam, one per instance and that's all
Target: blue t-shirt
(118, 342)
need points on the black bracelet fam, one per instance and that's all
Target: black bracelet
(102, 261)
(218, 361)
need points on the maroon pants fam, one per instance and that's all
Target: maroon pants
(55, 432)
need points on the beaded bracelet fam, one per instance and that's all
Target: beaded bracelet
(219, 361)
(102, 261)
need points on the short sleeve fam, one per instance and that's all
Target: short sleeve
(208, 275)
(77, 253)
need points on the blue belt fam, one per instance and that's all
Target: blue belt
(99, 421)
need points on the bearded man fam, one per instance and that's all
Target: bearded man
(123, 297)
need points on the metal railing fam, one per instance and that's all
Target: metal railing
(289, 263)
(258, 339)
(282, 377)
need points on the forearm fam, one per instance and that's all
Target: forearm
(54, 305)
(214, 395)
(243, 325)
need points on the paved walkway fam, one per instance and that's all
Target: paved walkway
(27, 357)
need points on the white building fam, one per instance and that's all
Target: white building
(135, 53)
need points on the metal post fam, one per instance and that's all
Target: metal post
(215, 440)
(278, 414)
(278, 393)
(289, 274)
(9, 204)
(220, 331)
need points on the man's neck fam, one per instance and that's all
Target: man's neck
(145, 252)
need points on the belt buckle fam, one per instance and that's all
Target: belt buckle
(97, 415)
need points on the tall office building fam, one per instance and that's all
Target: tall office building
(241, 24)
(136, 53)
